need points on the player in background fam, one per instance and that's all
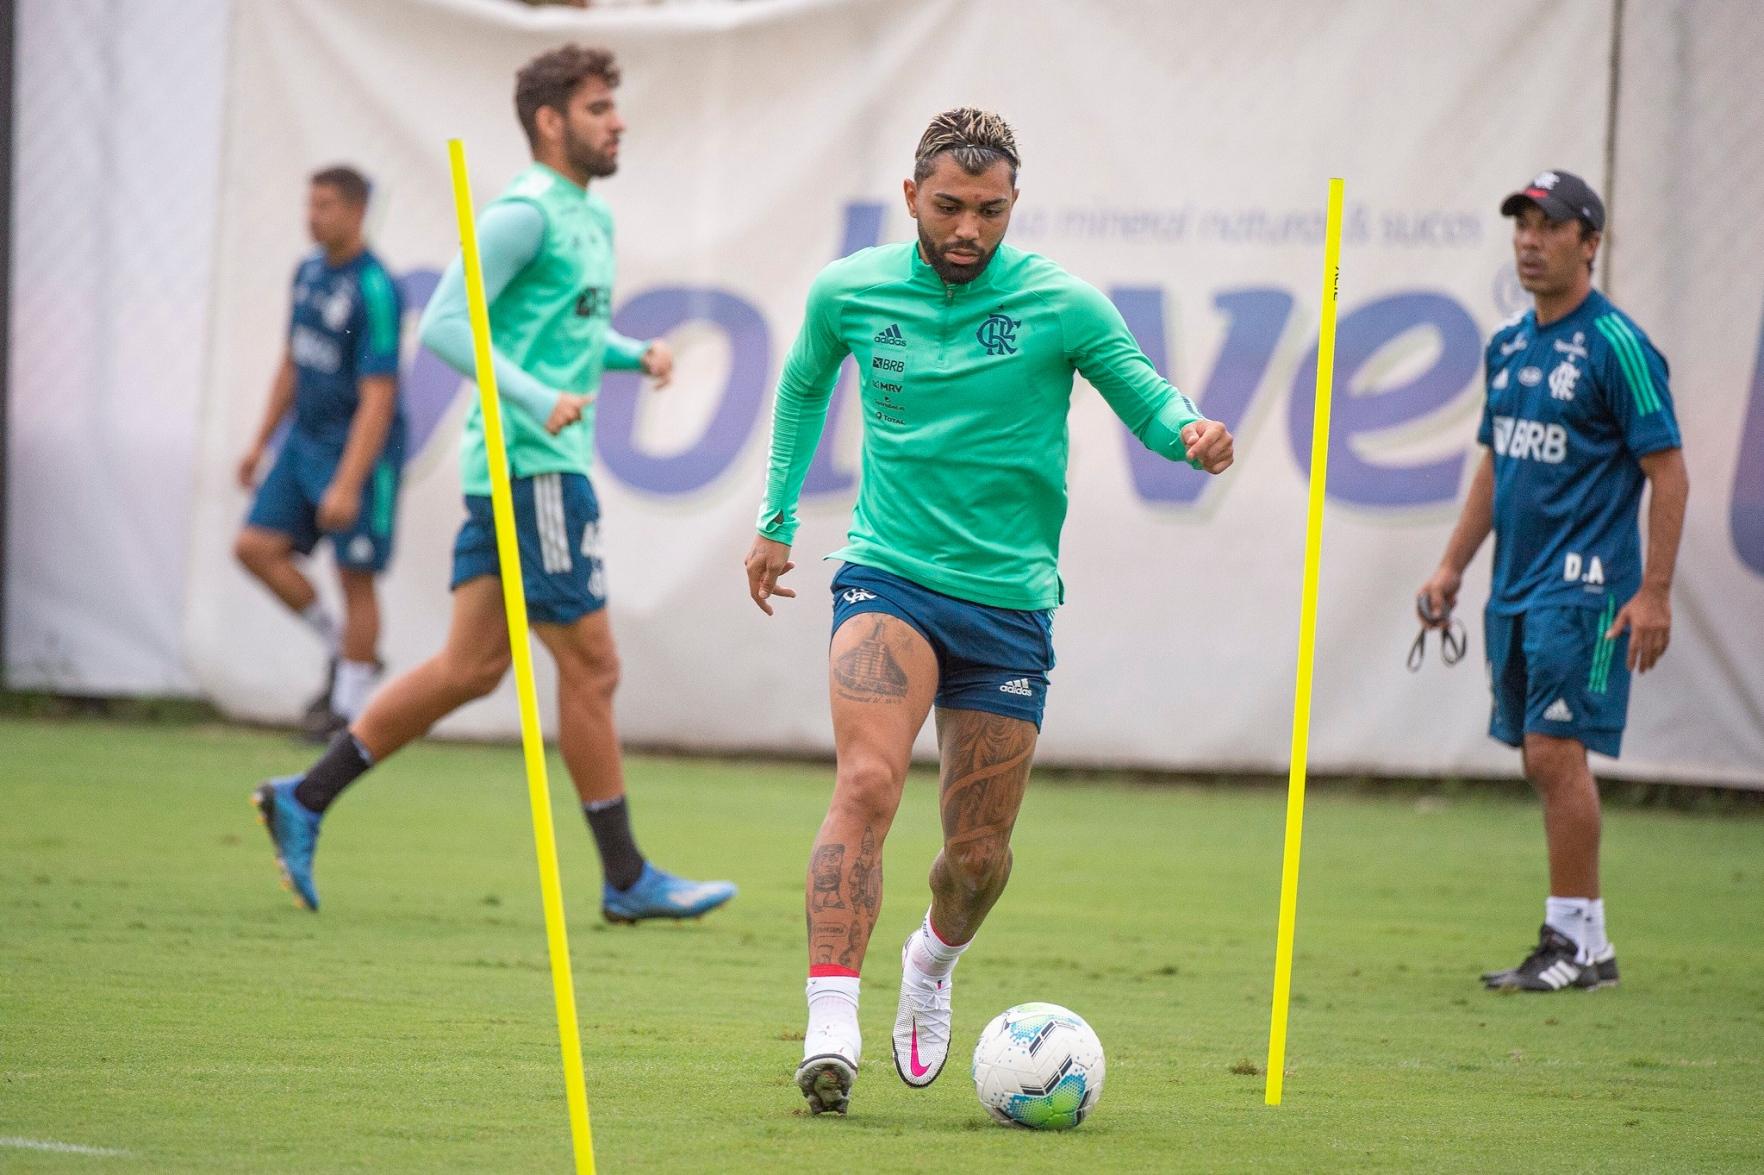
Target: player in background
(1578, 417)
(547, 248)
(336, 475)
(966, 349)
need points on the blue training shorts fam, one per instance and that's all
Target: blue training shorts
(1552, 671)
(287, 502)
(557, 524)
(991, 659)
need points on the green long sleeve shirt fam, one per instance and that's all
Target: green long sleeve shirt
(965, 391)
(546, 248)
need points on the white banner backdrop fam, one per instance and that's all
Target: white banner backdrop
(117, 142)
(1176, 155)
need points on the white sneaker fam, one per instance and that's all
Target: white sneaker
(922, 1023)
(829, 1066)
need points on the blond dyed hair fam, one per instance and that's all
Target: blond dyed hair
(975, 138)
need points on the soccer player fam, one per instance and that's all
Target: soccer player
(337, 472)
(967, 349)
(1578, 416)
(547, 248)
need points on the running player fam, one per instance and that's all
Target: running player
(967, 349)
(1578, 417)
(337, 472)
(548, 273)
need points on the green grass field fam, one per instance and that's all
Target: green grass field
(160, 996)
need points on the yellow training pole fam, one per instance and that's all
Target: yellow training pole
(514, 600)
(1301, 702)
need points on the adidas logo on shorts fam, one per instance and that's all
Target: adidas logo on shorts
(1019, 686)
(1558, 712)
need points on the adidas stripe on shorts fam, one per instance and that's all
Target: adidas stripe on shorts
(1552, 671)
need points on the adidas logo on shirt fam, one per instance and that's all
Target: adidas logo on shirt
(1558, 712)
(892, 336)
(1019, 686)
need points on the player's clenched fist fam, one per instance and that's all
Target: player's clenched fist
(566, 412)
(1208, 442)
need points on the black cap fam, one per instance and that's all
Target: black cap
(1562, 196)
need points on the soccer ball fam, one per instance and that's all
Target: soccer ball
(1039, 1066)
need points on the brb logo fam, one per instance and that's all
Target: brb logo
(1528, 440)
(1254, 322)
(998, 334)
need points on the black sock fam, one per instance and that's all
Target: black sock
(610, 822)
(341, 765)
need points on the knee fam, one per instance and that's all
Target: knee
(250, 550)
(1555, 764)
(978, 866)
(866, 790)
(590, 672)
(479, 676)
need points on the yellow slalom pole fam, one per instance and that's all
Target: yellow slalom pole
(1301, 702)
(514, 600)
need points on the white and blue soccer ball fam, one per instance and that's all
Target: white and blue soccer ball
(1039, 1066)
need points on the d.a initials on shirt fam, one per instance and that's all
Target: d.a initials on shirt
(1573, 567)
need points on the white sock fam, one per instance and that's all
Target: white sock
(1596, 942)
(933, 957)
(322, 625)
(1568, 918)
(833, 1011)
(355, 681)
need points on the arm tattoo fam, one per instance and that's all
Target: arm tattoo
(869, 673)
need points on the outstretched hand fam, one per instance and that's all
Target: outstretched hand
(1208, 442)
(766, 562)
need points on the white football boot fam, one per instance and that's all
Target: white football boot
(922, 1022)
(829, 1067)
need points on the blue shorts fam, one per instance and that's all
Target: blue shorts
(557, 524)
(1553, 672)
(287, 502)
(991, 659)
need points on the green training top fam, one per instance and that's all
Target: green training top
(550, 322)
(965, 394)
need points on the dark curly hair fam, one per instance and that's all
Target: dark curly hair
(550, 78)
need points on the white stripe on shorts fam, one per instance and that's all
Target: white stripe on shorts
(548, 512)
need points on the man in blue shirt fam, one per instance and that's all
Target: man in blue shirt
(1578, 416)
(336, 474)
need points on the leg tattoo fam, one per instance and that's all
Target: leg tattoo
(870, 672)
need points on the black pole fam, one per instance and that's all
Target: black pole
(8, 82)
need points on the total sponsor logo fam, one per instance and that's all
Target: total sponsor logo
(1530, 440)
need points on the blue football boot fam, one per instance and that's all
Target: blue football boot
(657, 894)
(293, 829)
